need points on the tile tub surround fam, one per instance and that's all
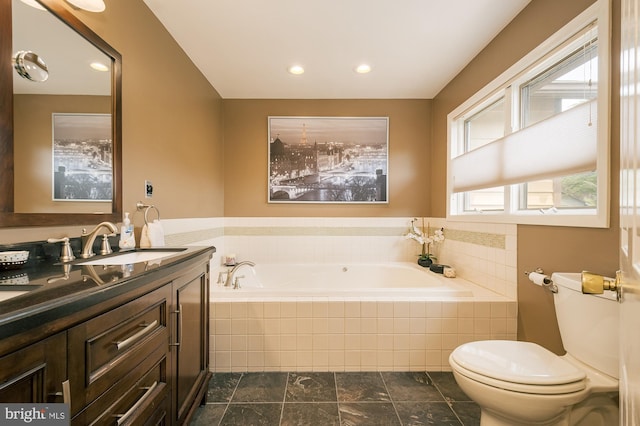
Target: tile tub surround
(320, 334)
(484, 254)
(330, 398)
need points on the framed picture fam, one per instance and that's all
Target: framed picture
(82, 157)
(328, 159)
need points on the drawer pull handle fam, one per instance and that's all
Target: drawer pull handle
(134, 407)
(129, 340)
(179, 332)
(65, 394)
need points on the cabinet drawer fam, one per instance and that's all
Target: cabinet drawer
(35, 373)
(134, 400)
(109, 346)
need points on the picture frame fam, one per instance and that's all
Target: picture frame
(338, 160)
(82, 159)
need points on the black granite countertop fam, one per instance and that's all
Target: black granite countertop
(45, 285)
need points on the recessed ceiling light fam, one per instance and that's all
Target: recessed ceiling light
(33, 3)
(296, 69)
(88, 5)
(363, 69)
(99, 66)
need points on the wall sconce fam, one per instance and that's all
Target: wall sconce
(88, 5)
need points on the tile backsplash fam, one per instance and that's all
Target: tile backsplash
(481, 253)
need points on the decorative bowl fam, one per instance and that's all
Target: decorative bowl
(14, 278)
(13, 259)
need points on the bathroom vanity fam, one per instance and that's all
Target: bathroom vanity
(121, 343)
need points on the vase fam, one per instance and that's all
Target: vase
(425, 262)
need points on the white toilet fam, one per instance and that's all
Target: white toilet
(522, 383)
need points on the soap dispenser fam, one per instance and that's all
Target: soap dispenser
(127, 237)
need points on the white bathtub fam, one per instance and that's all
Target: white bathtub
(387, 280)
(357, 317)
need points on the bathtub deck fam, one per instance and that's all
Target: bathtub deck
(398, 281)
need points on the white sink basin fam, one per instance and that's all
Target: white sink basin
(132, 257)
(4, 295)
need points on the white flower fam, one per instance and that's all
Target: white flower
(424, 239)
(438, 236)
(415, 230)
(418, 238)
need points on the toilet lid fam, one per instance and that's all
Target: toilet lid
(516, 362)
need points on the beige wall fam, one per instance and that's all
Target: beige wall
(173, 135)
(172, 121)
(246, 156)
(172, 128)
(32, 162)
(552, 248)
(418, 162)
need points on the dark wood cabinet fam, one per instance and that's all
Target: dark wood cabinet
(36, 373)
(190, 349)
(111, 352)
(141, 357)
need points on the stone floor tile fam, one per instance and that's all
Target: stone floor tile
(366, 386)
(311, 387)
(260, 414)
(261, 387)
(310, 413)
(426, 413)
(411, 386)
(222, 386)
(368, 414)
(448, 387)
(468, 412)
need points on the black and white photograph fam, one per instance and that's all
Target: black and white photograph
(328, 159)
(82, 157)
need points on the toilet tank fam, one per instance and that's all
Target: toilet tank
(588, 323)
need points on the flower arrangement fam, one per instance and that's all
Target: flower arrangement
(425, 240)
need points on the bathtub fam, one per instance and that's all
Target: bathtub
(350, 317)
(388, 280)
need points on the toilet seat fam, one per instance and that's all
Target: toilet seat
(518, 366)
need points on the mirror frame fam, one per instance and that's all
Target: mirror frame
(9, 218)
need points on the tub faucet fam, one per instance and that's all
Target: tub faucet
(230, 275)
(89, 237)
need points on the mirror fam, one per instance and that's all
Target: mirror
(60, 139)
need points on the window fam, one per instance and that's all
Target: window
(532, 147)
(564, 85)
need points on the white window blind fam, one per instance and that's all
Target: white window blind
(561, 145)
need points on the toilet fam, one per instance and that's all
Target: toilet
(522, 383)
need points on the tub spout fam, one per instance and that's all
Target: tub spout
(230, 275)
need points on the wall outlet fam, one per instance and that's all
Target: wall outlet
(148, 189)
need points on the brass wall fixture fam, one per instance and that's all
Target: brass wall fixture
(593, 283)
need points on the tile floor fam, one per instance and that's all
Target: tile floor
(344, 398)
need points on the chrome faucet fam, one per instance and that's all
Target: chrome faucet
(231, 274)
(89, 237)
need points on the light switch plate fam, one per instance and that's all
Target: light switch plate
(148, 189)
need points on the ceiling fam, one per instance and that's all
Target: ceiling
(66, 54)
(414, 47)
